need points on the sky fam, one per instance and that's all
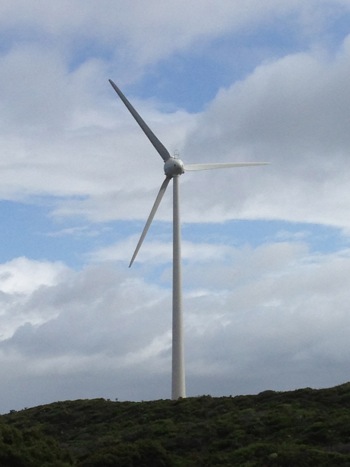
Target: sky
(266, 250)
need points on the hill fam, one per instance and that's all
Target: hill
(300, 428)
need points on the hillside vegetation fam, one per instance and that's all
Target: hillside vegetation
(298, 428)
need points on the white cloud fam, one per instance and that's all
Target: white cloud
(22, 281)
(292, 112)
(77, 140)
(23, 276)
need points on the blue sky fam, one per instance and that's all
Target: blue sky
(265, 250)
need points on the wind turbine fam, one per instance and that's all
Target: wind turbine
(173, 168)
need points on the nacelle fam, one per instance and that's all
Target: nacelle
(173, 167)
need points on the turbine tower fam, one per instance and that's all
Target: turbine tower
(173, 168)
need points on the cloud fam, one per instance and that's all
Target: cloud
(292, 112)
(277, 307)
(21, 283)
(21, 276)
(93, 321)
(132, 34)
(131, 39)
(78, 143)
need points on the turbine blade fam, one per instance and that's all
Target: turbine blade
(160, 148)
(221, 165)
(150, 217)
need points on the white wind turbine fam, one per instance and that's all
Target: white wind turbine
(173, 168)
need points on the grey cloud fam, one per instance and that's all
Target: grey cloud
(285, 326)
(94, 311)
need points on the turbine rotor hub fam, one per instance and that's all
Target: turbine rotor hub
(173, 167)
